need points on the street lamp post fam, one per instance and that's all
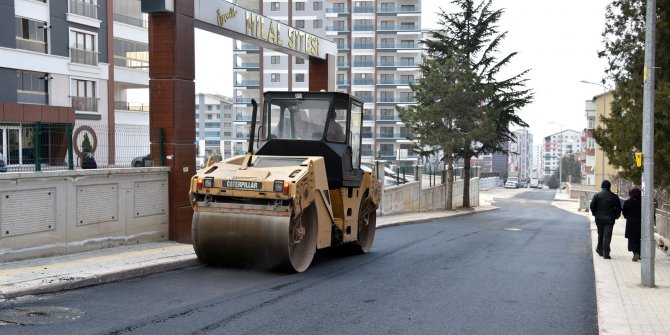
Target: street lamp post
(602, 151)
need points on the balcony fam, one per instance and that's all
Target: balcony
(343, 46)
(386, 154)
(401, 9)
(397, 64)
(368, 117)
(343, 64)
(366, 9)
(82, 56)
(366, 134)
(343, 82)
(399, 82)
(242, 117)
(366, 152)
(363, 64)
(398, 46)
(363, 82)
(396, 100)
(31, 45)
(243, 100)
(246, 66)
(392, 136)
(84, 8)
(242, 136)
(366, 98)
(364, 46)
(247, 83)
(364, 28)
(133, 21)
(393, 118)
(402, 27)
(128, 106)
(337, 10)
(85, 104)
(337, 28)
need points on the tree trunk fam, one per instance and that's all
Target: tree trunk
(450, 181)
(466, 181)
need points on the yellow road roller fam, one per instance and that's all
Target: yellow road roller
(298, 188)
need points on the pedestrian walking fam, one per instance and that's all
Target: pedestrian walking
(632, 212)
(606, 208)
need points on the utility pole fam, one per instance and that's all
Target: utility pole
(648, 247)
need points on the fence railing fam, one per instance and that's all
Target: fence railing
(66, 146)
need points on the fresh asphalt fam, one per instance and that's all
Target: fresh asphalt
(523, 269)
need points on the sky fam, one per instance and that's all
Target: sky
(557, 41)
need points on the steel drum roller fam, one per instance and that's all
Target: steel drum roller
(256, 241)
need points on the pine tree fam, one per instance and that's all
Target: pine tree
(473, 107)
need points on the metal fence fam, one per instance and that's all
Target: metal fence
(43, 146)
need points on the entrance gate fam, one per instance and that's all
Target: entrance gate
(172, 75)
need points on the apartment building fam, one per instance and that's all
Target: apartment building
(520, 158)
(70, 62)
(378, 57)
(588, 156)
(215, 130)
(559, 145)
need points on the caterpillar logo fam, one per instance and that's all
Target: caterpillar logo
(242, 185)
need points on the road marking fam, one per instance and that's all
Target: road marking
(513, 229)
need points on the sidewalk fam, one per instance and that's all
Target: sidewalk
(625, 306)
(53, 274)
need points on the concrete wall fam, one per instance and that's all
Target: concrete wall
(60, 212)
(411, 198)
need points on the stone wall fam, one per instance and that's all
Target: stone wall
(59, 212)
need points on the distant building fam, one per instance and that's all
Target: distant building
(215, 130)
(520, 156)
(588, 158)
(559, 145)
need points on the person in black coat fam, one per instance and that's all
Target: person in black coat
(632, 212)
(606, 208)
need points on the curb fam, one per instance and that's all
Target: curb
(68, 283)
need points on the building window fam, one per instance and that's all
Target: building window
(317, 24)
(299, 77)
(131, 54)
(300, 23)
(83, 48)
(318, 5)
(299, 60)
(275, 77)
(84, 95)
(31, 35)
(31, 87)
(130, 12)
(274, 59)
(300, 6)
(88, 8)
(274, 6)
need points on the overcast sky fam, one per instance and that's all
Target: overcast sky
(557, 40)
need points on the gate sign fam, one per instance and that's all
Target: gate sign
(224, 18)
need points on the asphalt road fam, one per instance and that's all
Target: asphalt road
(523, 269)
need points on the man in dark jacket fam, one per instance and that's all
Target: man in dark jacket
(632, 212)
(606, 208)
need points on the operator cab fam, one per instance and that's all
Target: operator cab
(326, 124)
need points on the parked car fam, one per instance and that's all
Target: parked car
(534, 183)
(141, 161)
(512, 182)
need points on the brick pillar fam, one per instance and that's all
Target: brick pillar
(172, 100)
